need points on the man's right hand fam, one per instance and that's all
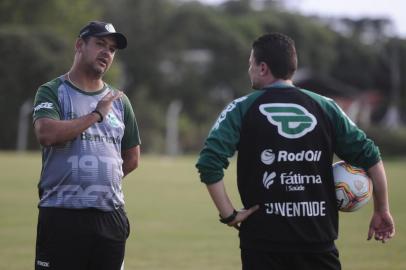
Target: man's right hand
(104, 105)
(242, 215)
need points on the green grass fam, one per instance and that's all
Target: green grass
(174, 224)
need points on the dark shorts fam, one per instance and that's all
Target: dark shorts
(263, 260)
(80, 239)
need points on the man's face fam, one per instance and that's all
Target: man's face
(98, 53)
(254, 72)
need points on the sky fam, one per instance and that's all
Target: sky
(395, 10)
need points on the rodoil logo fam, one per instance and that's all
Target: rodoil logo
(292, 120)
(268, 156)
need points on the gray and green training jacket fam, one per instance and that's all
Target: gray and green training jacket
(286, 138)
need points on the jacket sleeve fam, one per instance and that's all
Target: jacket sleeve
(223, 140)
(351, 143)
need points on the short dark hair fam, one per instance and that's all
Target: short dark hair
(278, 52)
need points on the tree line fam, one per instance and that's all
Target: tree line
(186, 53)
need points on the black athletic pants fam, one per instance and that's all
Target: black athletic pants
(260, 260)
(87, 239)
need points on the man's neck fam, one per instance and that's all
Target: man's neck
(84, 81)
(277, 82)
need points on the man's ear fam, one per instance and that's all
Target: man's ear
(263, 69)
(79, 44)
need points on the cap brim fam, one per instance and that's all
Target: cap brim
(121, 40)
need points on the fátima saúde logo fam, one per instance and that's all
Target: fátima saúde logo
(292, 120)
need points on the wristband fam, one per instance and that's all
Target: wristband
(99, 113)
(229, 218)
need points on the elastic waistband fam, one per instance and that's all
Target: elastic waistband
(79, 210)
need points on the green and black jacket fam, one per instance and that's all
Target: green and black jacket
(286, 138)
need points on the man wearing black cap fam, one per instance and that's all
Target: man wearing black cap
(90, 141)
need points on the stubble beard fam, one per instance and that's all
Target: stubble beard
(94, 69)
(97, 71)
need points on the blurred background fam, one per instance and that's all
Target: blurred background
(187, 59)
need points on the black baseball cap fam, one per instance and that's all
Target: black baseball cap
(102, 29)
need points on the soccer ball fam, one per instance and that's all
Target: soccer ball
(353, 187)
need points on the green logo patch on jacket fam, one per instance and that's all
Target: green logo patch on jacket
(293, 121)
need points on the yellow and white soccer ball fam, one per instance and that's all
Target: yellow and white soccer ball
(353, 186)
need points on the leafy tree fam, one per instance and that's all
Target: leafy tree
(186, 52)
(36, 44)
(28, 60)
(61, 17)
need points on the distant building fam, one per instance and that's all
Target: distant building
(358, 105)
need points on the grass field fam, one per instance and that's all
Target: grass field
(174, 223)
